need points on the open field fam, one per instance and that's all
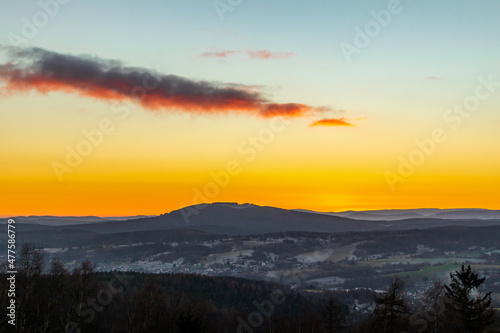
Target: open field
(441, 272)
(432, 261)
(232, 256)
(329, 254)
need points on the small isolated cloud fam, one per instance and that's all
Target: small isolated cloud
(433, 78)
(331, 122)
(218, 54)
(265, 54)
(36, 69)
(253, 54)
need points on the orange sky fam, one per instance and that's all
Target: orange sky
(110, 127)
(152, 164)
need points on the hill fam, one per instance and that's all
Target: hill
(237, 219)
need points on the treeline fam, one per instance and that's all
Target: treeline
(66, 237)
(53, 299)
(441, 239)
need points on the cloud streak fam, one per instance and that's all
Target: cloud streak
(218, 54)
(46, 71)
(253, 54)
(331, 122)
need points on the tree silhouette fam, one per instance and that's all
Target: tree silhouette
(433, 308)
(392, 311)
(150, 314)
(472, 311)
(30, 265)
(334, 315)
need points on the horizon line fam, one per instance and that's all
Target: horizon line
(4, 216)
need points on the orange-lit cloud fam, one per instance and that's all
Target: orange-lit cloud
(46, 71)
(218, 54)
(290, 109)
(254, 54)
(331, 122)
(265, 54)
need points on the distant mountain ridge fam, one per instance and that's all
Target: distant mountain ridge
(70, 220)
(400, 214)
(233, 218)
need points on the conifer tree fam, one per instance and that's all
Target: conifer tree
(472, 311)
(392, 311)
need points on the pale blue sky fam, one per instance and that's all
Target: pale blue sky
(455, 41)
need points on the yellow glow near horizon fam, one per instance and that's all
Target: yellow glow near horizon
(154, 162)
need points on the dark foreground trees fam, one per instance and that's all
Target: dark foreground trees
(82, 300)
(392, 311)
(455, 308)
(335, 316)
(471, 310)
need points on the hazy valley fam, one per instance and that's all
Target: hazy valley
(305, 250)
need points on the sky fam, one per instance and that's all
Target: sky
(130, 108)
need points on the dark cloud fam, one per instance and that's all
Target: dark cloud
(46, 71)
